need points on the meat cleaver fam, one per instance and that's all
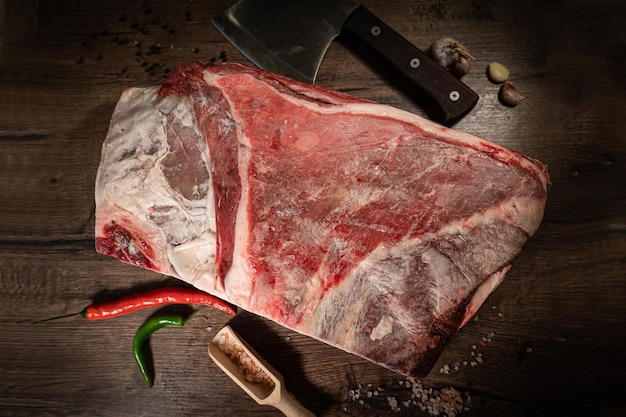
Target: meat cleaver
(290, 37)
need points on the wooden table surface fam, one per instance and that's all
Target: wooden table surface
(550, 341)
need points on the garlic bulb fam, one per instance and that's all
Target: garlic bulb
(452, 55)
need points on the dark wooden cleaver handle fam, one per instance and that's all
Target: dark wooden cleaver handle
(449, 96)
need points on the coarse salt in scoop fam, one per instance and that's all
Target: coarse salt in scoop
(253, 373)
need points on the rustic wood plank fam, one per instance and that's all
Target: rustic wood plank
(551, 338)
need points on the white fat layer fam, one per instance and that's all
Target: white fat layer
(239, 281)
(518, 211)
(383, 328)
(132, 185)
(194, 261)
(482, 292)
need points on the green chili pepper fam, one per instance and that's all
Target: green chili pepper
(143, 334)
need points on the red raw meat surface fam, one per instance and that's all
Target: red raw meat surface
(364, 226)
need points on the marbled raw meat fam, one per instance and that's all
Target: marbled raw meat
(361, 225)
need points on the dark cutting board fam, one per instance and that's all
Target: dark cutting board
(550, 341)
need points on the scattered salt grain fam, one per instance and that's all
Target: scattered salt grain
(393, 403)
(445, 402)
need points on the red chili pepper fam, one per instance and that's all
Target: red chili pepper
(152, 298)
(157, 297)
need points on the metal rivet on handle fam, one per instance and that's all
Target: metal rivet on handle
(375, 30)
(415, 63)
(454, 95)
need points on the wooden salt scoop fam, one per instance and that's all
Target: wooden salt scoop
(267, 386)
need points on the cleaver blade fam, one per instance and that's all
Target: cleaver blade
(290, 37)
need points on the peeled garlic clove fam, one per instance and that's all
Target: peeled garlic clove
(497, 72)
(509, 95)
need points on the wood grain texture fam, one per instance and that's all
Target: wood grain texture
(551, 338)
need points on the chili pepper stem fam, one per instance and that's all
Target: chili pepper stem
(80, 313)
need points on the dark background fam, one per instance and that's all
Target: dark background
(551, 339)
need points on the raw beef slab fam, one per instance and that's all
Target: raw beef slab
(358, 224)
